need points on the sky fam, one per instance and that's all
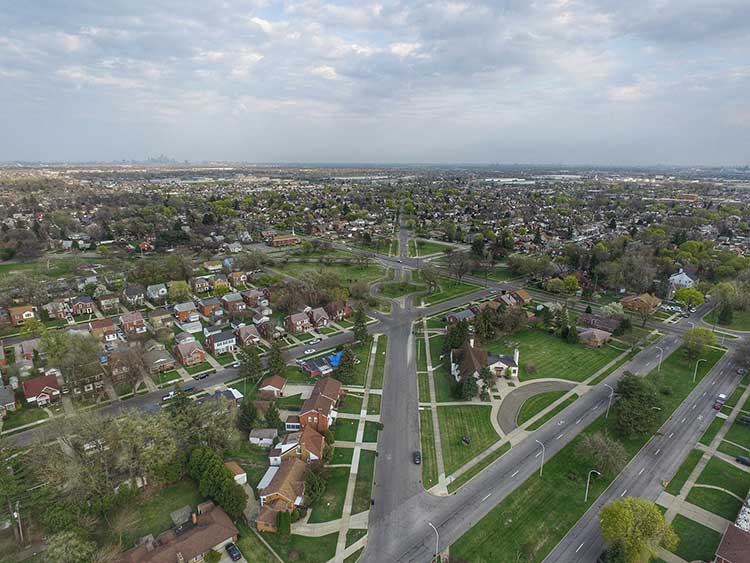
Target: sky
(504, 81)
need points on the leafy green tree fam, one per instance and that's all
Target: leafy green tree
(345, 371)
(285, 523)
(212, 557)
(178, 291)
(360, 325)
(455, 336)
(570, 284)
(272, 417)
(726, 314)
(315, 485)
(696, 340)
(467, 389)
(276, 363)
(248, 415)
(231, 497)
(69, 547)
(689, 297)
(605, 454)
(250, 365)
(637, 527)
(638, 406)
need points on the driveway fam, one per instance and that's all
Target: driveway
(512, 402)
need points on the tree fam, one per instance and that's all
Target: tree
(570, 284)
(726, 314)
(179, 291)
(248, 415)
(612, 310)
(276, 363)
(285, 523)
(345, 371)
(467, 389)
(212, 557)
(460, 264)
(315, 485)
(637, 527)
(231, 497)
(638, 406)
(604, 453)
(430, 276)
(272, 417)
(33, 327)
(250, 365)
(696, 340)
(555, 285)
(689, 297)
(69, 547)
(477, 246)
(360, 325)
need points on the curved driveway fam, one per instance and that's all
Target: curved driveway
(513, 401)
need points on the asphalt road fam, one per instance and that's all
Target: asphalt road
(513, 401)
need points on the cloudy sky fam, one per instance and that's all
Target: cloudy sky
(574, 81)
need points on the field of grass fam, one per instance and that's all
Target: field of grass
(740, 320)
(715, 501)
(735, 397)
(351, 404)
(420, 355)
(166, 377)
(342, 456)
(536, 404)
(363, 485)
(203, 366)
(371, 431)
(353, 534)
(553, 413)
(24, 415)
(399, 289)
(719, 473)
(373, 404)
(421, 247)
(331, 505)
(542, 510)
(362, 351)
(552, 356)
(424, 387)
(448, 289)
(732, 450)
(739, 434)
(251, 547)
(302, 549)
(345, 430)
(348, 275)
(711, 431)
(606, 373)
(697, 542)
(354, 557)
(429, 455)
(458, 421)
(378, 370)
(498, 273)
(679, 479)
(290, 403)
(469, 474)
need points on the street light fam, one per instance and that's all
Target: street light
(661, 355)
(541, 467)
(695, 371)
(437, 541)
(611, 394)
(588, 480)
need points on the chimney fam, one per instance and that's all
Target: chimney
(515, 356)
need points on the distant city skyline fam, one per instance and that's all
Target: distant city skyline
(594, 82)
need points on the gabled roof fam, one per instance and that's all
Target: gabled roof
(275, 381)
(289, 480)
(33, 387)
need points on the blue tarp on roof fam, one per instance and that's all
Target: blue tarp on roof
(334, 359)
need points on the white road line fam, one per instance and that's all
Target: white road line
(560, 436)
(514, 474)
(657, 452)
(486, 497)
(693, 407)
(538, 454)
(641, 471)
(672, 434)
(705, 393)
(622, 494)
(713, 383)
(595, 407)
(683, 420)
(579, 547)
(579, 421)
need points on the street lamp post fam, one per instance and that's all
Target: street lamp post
(588, 480)
(661, 355)
(541, 467)
(695, 371)
(437, 542)
(609, 403)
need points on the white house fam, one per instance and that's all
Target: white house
(683, 279)
(263, 437)
(469, 360)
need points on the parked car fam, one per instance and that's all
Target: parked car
(722, 398)
(309, 351)
(188, 389)
(742, 460)
(744, 419)
(201, 376)
(718, 405)
(233, 552)
(168, 396)
(315, 341)
(417, 458)
(741, 371)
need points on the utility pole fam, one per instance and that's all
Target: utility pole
(17, 514)
(609, 403)
(541, 467)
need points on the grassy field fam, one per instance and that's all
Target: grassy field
(348, 275)
(424, 387)
(679, 479)
(421, 247)
(553, 413)
(351, 404)
(291, 402)
(467, 475)
(498, 273)
(362, 351)
(371, 431)
(740, 320)
(399, 289)
(378, 373)
(735, 397)
(303, 549)
(448, 289)
(363, 485)
(331, 505)
(697, 542)
(541, 511)
(606, 373)
(739, 434)
(23, 416)
(251, 547)
(719, 473)
(715, 501)
(458, 421)
(536, 404)
(552, 356)
(373, 404)
(354, 557)
(420, 355)
(167, 377)
(345, 430)
(203, 366)
(353, 534)
(429, 455)
(711, 431)
(342, 456)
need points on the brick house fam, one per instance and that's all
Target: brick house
(234, 303)
(20, 314)
(210, 307)
(298, 322)
(200, 285)
(247, 335)
(186, 312)
(318, 410)
(133, 324)
(41, 391)
(104, 329)
(338, 310)
(82, 305)
(318, 317)
(190, 353)
(222, 342)
(108, 302)
(283, 493)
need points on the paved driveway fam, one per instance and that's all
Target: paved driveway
(510, 406)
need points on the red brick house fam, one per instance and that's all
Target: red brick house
(41, 391)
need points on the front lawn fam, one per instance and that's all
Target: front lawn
(166, 378)
(448, 289)
(363, 485)
(455, 422)
(679, 479)
(424, 387)
(378, 370)
(198, 368)
(536, 404)
(470, 473)
(331, 505)
(342, 456)
(543, 355)
(302, 549)
(22, 416)
(362, 351)
(371, 431)
(715, 501)
(719, 473)
(345, 429)
(351, 404)
(421, 247)
(225, 359)
(429, 455)
(697, 542)
(373, 404)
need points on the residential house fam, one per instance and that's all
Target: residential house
(234, 303)
(318, 317)
(283, 493)
(82, 305)
(456, 317)
(263, 437)
(285, 448)
(219, 282)
(160, 318)
(3, 361)
(273, 385)
(7, 400)
(318, 410)
(735, 543)
(209, 529)
(210, 307)
(41, 391)
(521, 295)
(56, 309)
(643, 303)
(298, 322)
(468, 361)
(683, 279)
(133, 295)
(283, 240)
(158, 360)
(222, 343)
(256, 297)
(186, 312)
(212, 266)
(184, 337)
(104, 329)
(119, 367)
(237, 279)
(190, 353)
(108, 302)
(26, 349)
(593, 337)
(338, 310)
(133, 324)
(247, 335)
(157, 293)
(200, 285)
(20, 314)
(610, 324)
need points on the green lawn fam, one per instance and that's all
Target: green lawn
(458, 421)
(342, 456)
(719, 473)
(735, 397)
(421, 247)
(421, 356)
(740, 320)
(203, 366)
(424, 387)
(469, 474)
(331, 505)
(348, 275)
(251, 547)
(302, 549)
(225, 359)
(253, 459)
(607, 372)
(345, 429)
(166, 377)
(153, 513)
(373, 404)
(498, 273)
(362, 351)
(351, 404)
(732, 450)
(553, 413)
(552, 356)
(679, 479)
(739, 434)
(399, 289)
(353, 534)
(22, 416)
(697, 542)
(371, 431)
(542, 510)
(363, 485)
(378, 370)
(536, 404)
(448, 289)
(712, 430)
(715, 501)
(354, 557)
(429, 455)
(290, 403)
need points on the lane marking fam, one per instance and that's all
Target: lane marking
(693, 407)
(705, 393)
(538, 454)
(657, 452)
(579, 547)
(622, 494)
(486, 497)
(560, 436)
(641, 471)
(683, 420)
(514, 474)
(579, 421)
(672, 434)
